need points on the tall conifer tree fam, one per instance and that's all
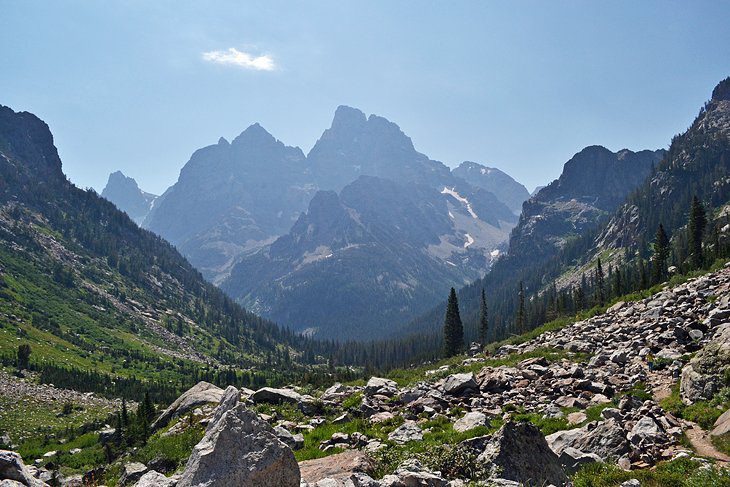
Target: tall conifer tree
(453, 328)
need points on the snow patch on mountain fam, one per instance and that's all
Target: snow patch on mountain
(452, 192)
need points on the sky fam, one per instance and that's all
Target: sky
(138, 86)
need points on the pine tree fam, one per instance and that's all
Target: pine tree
(697, 225)
(600, 284)
(661, 254)
(453, 328)
(24, 351)
(483, 319)
(521, 318)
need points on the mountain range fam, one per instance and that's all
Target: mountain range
(254, 216)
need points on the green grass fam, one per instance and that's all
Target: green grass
(704, 413)
(30, 419)
(682, 472)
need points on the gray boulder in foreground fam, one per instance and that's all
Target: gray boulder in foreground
(519, 452)
(240, 449)
(13, 469)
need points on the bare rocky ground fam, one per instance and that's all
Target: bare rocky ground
(529, 414)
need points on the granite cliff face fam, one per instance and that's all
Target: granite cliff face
(124, 192)
(233, 197)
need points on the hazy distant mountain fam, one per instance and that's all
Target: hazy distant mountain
(356, 145)
(536, 190)
(376, 254)
(124, 192)
(503, 186)
(231, 198)
(232, 201)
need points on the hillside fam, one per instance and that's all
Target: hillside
(106, 306)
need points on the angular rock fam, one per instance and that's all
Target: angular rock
(519, 452)
(200, 394)
(272, 395)
(12, 468)
(378, 385)
(457, 383)
(572, 460)
(408, 431)
(470, 421)
(155, 479)
(339, 466)
(132, 473)
(240, 449)
(722, 425)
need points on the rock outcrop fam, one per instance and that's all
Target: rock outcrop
(239, 448)
(519, 452)
(200, 394)
(12, 469)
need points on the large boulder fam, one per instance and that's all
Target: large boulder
(703, 376)
(408, 431)
(495, 379)
(607, 439)
(271, 395)
(470, 421)
(240, 449)
(379, 385)
(457, 383)
(722, 425)
(519, 452)
(13, 469)
(200, 394)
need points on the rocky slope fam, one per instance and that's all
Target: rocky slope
(124, 192)
(502, 185)
(377, 253)
(533, 412)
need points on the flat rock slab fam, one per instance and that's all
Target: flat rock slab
(337, 466)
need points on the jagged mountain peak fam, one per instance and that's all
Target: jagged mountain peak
(28, 139)
(255, 134)
(125, 193)
(346, 116)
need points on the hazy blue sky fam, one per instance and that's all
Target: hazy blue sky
(139, 85)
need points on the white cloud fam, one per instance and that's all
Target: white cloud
(234, 57)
